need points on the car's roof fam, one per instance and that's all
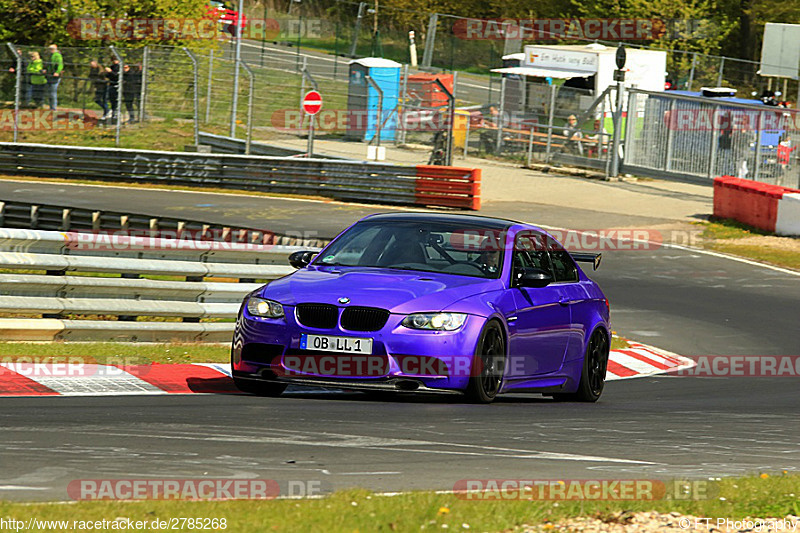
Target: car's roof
(458, 218)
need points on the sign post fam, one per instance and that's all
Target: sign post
(312, 104)
(619, 77)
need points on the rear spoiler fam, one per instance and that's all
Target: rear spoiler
(584, 257)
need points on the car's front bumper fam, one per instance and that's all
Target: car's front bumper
(401, 358)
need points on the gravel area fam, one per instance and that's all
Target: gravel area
(629, 522)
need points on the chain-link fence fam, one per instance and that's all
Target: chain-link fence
(681, 136)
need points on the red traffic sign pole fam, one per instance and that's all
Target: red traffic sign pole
(312, 104)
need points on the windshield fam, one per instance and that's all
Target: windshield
(448, 248)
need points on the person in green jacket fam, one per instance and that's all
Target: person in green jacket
(37, 76)
(54, 70)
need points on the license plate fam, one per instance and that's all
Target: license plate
(329, 343)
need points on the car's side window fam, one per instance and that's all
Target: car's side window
(530, 252)
(563, 266)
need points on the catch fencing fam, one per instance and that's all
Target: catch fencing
(697, 139)
(342, 180)
(201, 283)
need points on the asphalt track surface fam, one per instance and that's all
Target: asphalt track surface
(685, 301)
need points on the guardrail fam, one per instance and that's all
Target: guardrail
(55, 295)
(342, 180)
(26, 215)
(229, 145)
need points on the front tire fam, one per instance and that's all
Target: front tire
(487, 365)
(593, 375)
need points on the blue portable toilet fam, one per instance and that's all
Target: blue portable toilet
(362, 98)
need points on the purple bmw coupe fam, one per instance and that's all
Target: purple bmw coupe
(427, 302)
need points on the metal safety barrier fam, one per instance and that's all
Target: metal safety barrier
(342, 180)
(36, 279)
(27, 215)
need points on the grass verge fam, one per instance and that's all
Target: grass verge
(114, 351)
(735, 238)
(357, 510)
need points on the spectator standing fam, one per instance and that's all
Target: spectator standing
(129, 90)
(38, 78)
(97, 77)
(574, 144)
(112, 75)
(54, 70)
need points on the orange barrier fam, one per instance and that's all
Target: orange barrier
(750, 202)
(448, 186)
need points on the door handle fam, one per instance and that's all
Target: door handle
(564, 301)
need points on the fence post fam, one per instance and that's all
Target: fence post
(236, 62)
(303, 81)
(430, 40)
(362, 6)
(629, 131)
(466, 137)
(451, 118)
(551, 113)
(530, 146)
(670, 138)
(401, 102)
(714, 141)
(757, 166)
(500, 115)
(617, 129)
(17, 88)
(249, 108)
(721, 69)
(195, 101)
(118, 111)
(378, 113)
(143, 88)
(208, 90)
(691, 72)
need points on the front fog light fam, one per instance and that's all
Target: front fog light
(435, 321)
(264, 308)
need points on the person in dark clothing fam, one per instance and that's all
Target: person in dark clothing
(112, 75)
(97, 77)
(130, 88)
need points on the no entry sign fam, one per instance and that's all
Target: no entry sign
(312, 102)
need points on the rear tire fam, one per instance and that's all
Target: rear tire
(487, 365)
(593, 375)
(259, 388)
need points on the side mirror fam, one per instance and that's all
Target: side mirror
(301, 259)
(533, 278)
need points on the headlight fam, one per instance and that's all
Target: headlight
(436, 321)
(264, 308)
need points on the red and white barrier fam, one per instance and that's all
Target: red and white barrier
(769, 207)
(69, 379)
(788, 220)
(448, 187)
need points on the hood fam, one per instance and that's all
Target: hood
(398, 291)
